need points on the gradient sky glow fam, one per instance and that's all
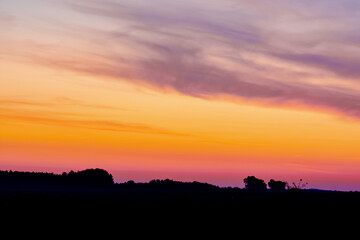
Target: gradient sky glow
(206, 90)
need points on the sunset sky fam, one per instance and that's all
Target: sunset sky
(205, 90)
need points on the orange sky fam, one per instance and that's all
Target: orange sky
(67, 102)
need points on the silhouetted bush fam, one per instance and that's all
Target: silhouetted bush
(296, 187)
(177, 185)
(254, 184)
(130, 182)
(277, 186)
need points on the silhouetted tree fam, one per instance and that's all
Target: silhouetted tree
(254, 184)
(94, 177)
(277, 186)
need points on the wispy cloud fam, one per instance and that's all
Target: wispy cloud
(56, 102)
(263, 51)
(102, 125)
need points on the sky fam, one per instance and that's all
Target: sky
(191, 90)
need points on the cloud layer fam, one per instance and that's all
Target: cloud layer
(272, 52)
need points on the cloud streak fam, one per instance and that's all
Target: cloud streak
(57, 102)
(102, 125)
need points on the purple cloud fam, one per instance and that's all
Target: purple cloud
(263, 52)
(340, 66)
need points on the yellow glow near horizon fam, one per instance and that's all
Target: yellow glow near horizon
(100, 115)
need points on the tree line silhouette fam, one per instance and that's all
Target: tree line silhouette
(88, 177)
(100, 177)
(96, 189)
(254, 184)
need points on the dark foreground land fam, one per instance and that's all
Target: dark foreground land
(93, 190)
